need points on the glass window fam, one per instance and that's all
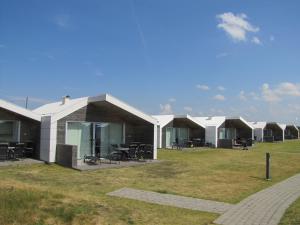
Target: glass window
(9, 131)
(94, 138)
(80, 134)
(227, 133)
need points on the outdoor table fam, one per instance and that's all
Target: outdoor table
(124, 152)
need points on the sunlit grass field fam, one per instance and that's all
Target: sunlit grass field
(50, 194)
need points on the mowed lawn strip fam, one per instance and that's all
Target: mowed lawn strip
(292, 215)
(221, 175)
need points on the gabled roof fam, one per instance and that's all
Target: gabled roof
(57, 110)
(19, 110)
(216, 121)
(241, 119)
(163, 120)
(280, 125)
(258, 125)
(293, 125)
(188, 117)
(283, 126)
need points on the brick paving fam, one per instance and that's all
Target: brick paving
(262, 208)
(265, 207)
(172, 200)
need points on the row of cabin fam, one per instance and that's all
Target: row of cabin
(95, 124)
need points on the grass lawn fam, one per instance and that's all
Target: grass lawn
(292, 215)
(50, 194)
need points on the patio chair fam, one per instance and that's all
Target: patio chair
(141, 151)
(19, 150)
(89, 159)
(148, 151)
(3, 151)
(132, 153)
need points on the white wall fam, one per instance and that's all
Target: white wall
(211, 135)
(155, 141)
(259, 133)
(48, 139)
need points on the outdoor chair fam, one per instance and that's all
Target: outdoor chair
(90, 159)
(141, 151)
(177, 146)
(132, 152)
(19, 150)
(3, 151)
(148, 151)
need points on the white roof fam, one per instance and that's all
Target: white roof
(282, 126)
(163, 120)
(193, 119)
(240, 118)
(19, 110)
(258, 125)
(57, 107)
(211, 121)
(57, 110)
(292, 125)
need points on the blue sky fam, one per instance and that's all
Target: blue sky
(207, 57)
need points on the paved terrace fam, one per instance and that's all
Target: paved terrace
(262, 208)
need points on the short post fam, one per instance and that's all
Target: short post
(268, 172)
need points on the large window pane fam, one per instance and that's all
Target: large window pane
(182, 135)
(9, 131)
(80, 134)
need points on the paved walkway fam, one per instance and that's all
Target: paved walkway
(265, 207)
(173, 200)
(262, 208)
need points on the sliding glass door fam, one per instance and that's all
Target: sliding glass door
(173, 133)
(81, 135)
(94, 138)
(227, 133)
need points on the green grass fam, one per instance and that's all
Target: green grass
(292, 215)
(50, 194)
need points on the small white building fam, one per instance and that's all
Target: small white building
(221, 129)
(182, 128)
(93, 124)
(268, 131)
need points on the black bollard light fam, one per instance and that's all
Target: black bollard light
(268, 172)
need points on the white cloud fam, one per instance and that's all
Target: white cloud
(202, 87)
(272, 38)
(236, 26)
(62, 20)
(284, 89)
(254, 96)
(188, 108)
(268, 94)
(242, 96)
(166, 109)
(172, 99)
(256, 40)
(219, 97)
(288, 89)
(221, 55)
(2, 46)
(221, 88)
